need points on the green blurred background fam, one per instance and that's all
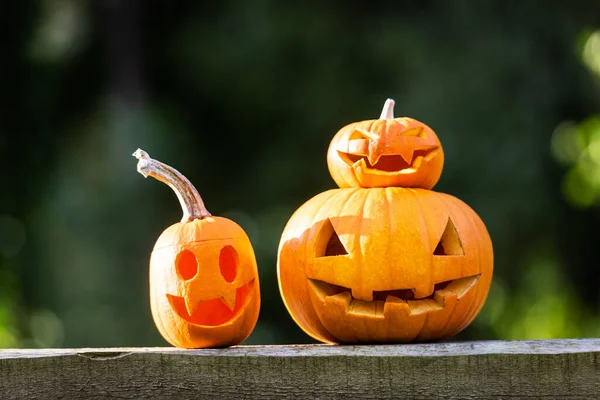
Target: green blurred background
(243, 98)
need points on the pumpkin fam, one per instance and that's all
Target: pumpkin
(384, 265)
(204, 288)
(386, 152)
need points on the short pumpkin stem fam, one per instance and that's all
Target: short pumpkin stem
(388, 109)
(189, 198)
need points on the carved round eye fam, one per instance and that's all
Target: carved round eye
(186, 265)
(228, 262)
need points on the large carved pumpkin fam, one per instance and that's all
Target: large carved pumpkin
(384, 265)
(204, 289)
(386, 152)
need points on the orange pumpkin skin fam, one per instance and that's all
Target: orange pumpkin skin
(384, 265)
(384, 153)
(204, 287)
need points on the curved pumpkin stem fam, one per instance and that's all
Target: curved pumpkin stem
(388, 109)
(189, 198)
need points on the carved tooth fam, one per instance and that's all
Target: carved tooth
(322, 289)
(344, 156)
(360, 164)
(395, 305)
(360, 307)
(462, 285)
(431, 154)
(421, 306)
(362, 294)
(229, 298)
(190, 305)
(407, 154)
(423, 291)
(340, 300)
(444, 297)
(417, 163)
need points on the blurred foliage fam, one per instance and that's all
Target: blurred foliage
(243, 98)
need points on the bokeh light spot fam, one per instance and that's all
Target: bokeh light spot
(62, 31)
(566, 143)
(577, 189)
(46, 329)
(591, 52)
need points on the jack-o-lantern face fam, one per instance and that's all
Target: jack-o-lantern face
(204, 283)
(204, 288)
(386, 152)
(384, 265)
(225, 297)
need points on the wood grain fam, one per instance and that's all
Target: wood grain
(462, 370)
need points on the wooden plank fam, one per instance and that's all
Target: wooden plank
(463, 370)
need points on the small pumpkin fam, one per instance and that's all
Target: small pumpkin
(204, 288)
(384, 265)
(386, 152)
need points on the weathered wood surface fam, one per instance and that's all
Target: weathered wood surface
(490, 369)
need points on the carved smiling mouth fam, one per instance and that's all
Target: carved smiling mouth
(391, 164)
(403, 298)
(212, 312)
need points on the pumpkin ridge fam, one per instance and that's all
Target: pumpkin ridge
(429, 250)
(359, 236)
(356, 193)
(297, 213)
(477, 303)
(424, 223)
(361, 271)
(389, 247)
(312, 220)
(347, 175)
(349, 168)
(161, 323)
(445, 206)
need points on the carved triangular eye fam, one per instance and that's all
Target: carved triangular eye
(449, 244)
(335, 247)
(328, 242)
(360, 133)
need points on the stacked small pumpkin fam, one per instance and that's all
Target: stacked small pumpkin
(383, 258)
